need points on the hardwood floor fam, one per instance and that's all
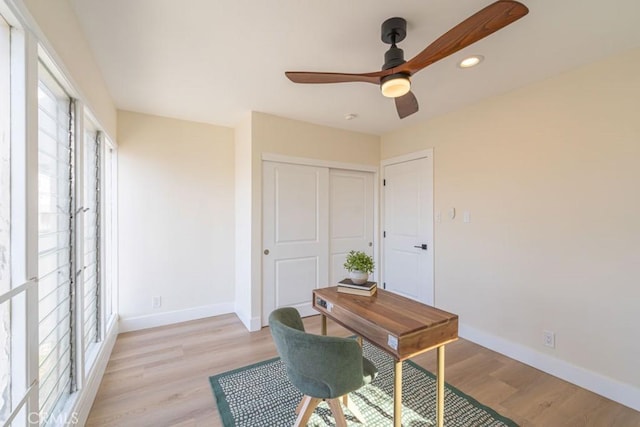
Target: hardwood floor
(159, 377)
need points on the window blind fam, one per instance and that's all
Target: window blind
(55, 243)
(91, 258)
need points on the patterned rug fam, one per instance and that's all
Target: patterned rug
(260, 395)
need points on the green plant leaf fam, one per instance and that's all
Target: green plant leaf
(358, 260)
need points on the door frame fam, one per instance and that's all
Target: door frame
(401, 159)
(330, 164)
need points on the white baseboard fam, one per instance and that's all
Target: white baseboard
(625, 394)
(251, 323)
(84, 402)
(171, 317)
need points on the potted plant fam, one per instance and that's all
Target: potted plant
(359, 265)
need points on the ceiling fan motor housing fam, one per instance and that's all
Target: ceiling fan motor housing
(393, 57)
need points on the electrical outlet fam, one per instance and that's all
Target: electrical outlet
(549, 338)
(156, 302)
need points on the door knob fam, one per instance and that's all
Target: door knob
(422, 246)
(266, 251)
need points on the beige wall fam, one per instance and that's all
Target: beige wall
(277, 135)
(62, 30)
(243, 202)
(550, 176)
(176, 216)
(273, 134)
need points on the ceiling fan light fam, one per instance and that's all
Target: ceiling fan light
(396, 87)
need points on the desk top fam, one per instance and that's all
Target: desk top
(398, 325)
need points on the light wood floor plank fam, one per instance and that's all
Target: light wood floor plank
(159, 377)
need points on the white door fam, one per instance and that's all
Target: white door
(408, 229)
(350, 218)
(295, 236)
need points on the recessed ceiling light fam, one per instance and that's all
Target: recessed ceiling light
(350, 116)
(470, 61)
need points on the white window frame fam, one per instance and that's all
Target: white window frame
(24, 230)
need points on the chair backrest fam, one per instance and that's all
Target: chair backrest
(319, 366)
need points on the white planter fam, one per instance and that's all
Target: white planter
(358, 277)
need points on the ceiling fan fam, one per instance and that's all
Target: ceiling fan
(394, 78)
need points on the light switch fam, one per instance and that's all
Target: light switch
(467, 216)
(439, 216)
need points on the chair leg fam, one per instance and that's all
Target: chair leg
(353, 408)
(307, 406)
(336, 410)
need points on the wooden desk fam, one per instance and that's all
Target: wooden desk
(397, 325)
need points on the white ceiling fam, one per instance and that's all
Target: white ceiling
(215, 60)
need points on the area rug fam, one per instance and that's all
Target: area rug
(260, 395)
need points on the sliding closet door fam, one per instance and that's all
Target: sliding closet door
(312, 217)
(295, 235)
(350, 218)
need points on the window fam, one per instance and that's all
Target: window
(71, 244)
(55, 243)
(5, 216)
(91, 242)
(18, 294)
(108, 227)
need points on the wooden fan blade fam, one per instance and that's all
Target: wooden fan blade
(478, 26)
(314, 77)
(406, 105)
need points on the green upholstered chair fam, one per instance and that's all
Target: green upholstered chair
(321, 367)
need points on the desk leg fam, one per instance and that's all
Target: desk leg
(440, 395)
(397, 394)
(323, 326)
